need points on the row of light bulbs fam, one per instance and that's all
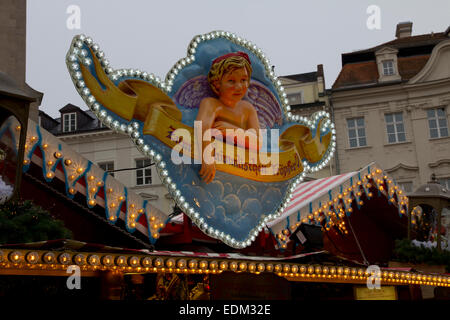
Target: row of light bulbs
(75, 169)
(144, 264)
(335, 216)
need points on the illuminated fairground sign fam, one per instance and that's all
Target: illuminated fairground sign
(218, 128)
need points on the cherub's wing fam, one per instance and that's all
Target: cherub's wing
(192, 92)
(265, 103)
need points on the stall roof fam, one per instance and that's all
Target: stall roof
(332, 199)
(80, 177)
(308, 192)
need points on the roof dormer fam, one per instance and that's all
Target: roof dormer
(73, 118)
(387, 65)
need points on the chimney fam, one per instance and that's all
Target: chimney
(320, 70)
(404, 29)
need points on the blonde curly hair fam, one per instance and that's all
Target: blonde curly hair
(220, 68)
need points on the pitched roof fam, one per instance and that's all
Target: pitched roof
(353, 74)
(89, 123)
(303, 77)
(407, 42)
(366, 73)
(70, 108)
(359, 67)
(408, 67)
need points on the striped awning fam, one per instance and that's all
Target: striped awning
(309, 191)
(314, 198)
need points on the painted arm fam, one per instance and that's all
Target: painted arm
(206, 114)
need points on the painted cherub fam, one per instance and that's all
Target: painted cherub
(229, 78)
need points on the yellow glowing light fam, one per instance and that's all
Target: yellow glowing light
(71, 190)
(91, 202)
(18, 128)
(121, 198)
(68, 162)
(91, 177)
(57, 155)
(26, 162)
(49, 174)
(93, 189)
(80, 170)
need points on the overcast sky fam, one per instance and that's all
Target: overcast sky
(152, 35)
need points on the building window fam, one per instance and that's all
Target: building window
(356, 132)
(295, 98)
(395, 128)
(69, 122)
(437, 122)
(144, 172)
(406, 186)
(107, 166)
(445, 182)
(388, 67)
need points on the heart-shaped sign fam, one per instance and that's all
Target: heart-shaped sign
(219, 129)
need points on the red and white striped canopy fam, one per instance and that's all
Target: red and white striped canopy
(309, 191)
(310, 196)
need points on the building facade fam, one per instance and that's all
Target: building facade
(113, 152)
(391, 105)
(307, 94)
(13, 48)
